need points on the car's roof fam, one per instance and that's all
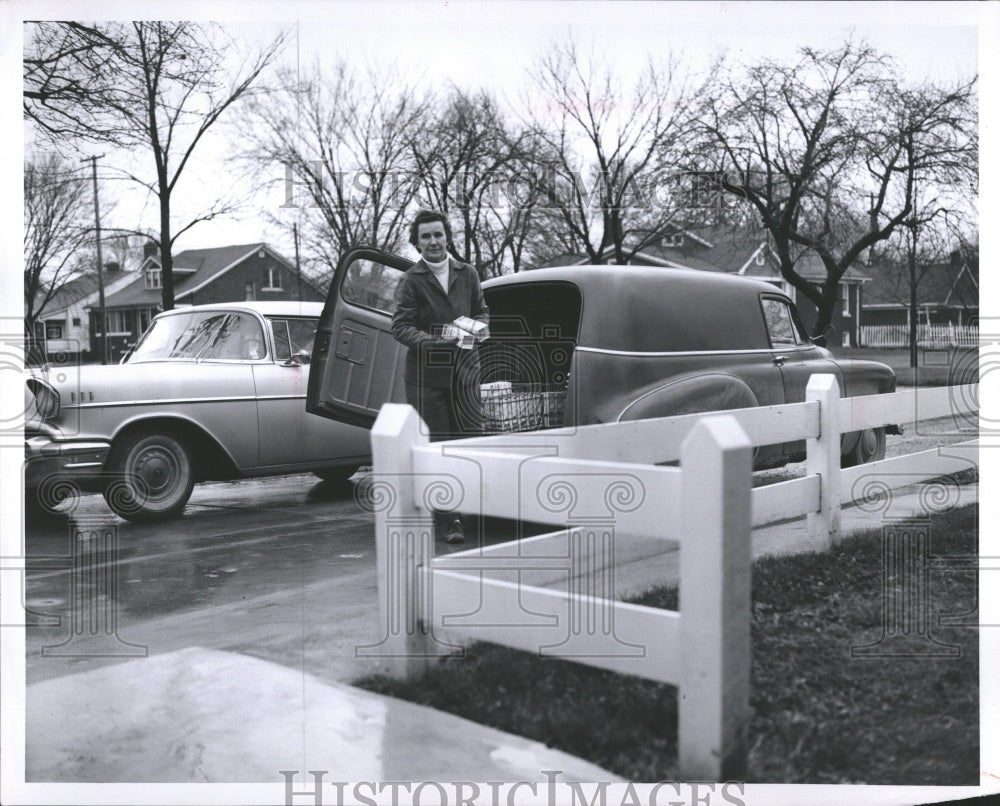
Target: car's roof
(597, 277)
(263, 307)
(626, 308)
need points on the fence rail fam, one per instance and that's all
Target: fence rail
(929, 336)
(600, 484)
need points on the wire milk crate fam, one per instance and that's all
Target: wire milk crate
(509, 407)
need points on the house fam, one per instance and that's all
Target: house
(747, 253)
(947, 294)
(221, 274)
(62, 330)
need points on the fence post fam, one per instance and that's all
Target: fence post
(404, 540)
(715, 556)
(823, 459)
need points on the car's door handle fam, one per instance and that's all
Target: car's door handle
(780, 359)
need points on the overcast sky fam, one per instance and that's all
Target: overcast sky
(492, 44)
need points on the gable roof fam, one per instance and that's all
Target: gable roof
(951, 284)
(722, 250)
(199, 266)
(71, 292)
(208, 264)
(83, 288)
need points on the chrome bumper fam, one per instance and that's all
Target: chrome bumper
(45, 458)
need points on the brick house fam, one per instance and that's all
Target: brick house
(748, 254)
(222, 274)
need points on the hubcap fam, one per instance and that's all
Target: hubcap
(869, 444)
(157, 468)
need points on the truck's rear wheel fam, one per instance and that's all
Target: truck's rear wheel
(870, 447)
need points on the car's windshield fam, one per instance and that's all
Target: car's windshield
(207, 335)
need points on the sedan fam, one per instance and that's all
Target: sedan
(208, 392)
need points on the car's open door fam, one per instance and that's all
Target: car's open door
(356, 363)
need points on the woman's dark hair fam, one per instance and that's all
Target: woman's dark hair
(428, 217)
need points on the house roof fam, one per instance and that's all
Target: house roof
(71, 292)
(954, 284)
(80, 288)
(202, 266)
(721, 250)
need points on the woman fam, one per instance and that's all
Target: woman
(442, 378)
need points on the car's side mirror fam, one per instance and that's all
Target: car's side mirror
(297, 359)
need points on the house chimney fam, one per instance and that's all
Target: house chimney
(150, 249)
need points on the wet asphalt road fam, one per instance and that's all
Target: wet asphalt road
(255, 566)
(280, 568)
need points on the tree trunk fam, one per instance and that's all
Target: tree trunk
(166, 251)
(913, 317)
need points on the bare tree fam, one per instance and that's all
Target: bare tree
(164, 85)
(921, 247)
(605, 157)
(341, 142)
(827, 151)
(473, 166)
(56, 225)
(69, 78)
(125, 249)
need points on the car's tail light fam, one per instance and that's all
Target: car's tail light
(46, 399)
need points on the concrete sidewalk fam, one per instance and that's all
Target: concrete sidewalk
(199, 715)
(204, 716)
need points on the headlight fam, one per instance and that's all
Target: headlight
(46, 398)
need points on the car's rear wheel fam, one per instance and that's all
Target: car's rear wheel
(153, 476)
(870, 447)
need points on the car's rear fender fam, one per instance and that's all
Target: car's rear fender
(693, 394)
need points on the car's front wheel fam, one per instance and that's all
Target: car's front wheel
(870, 447)
(153, 476)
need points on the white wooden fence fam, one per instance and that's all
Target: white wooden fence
(928, 336)
(601, 484)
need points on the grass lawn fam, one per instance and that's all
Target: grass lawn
(934, 367)
(818, 715)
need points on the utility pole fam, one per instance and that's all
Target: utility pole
(298, 268)
(102, 312)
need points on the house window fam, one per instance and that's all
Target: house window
(154, 278)
(677, 239)
(272, 279)
(76, 321)
(759, 258)
(54, 330)
(845, 294)
(249, 292)
(118, 323)
(145, 315)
